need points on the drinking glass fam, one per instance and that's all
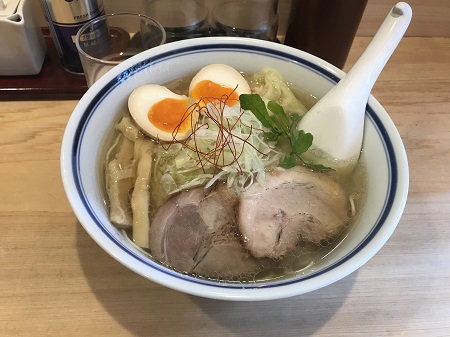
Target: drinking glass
(182, 19)
(106, 41)
(246, 18)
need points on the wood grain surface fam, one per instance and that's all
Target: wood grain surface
(430, 17)
(55, 281)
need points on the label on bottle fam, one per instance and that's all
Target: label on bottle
(65, 18)
(73, 11)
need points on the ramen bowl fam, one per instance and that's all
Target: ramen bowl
(83, 148)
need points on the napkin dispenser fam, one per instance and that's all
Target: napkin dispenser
(22, 45)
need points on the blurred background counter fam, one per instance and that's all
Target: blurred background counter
(430, 19)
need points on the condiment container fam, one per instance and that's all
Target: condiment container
(22, 45)
(324, 28)
(65, 18)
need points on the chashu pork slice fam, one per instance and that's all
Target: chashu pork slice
(293, 205)
(195, 232)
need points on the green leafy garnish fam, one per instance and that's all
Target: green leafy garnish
(295, 118)
(281, 126)
(289, 161)
(312, 165)
(257, 107)
(301, 141)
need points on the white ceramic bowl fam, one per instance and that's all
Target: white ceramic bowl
(97, 111)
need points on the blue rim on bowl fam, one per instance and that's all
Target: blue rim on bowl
(375, 239)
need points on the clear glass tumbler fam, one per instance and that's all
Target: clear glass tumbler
(110, 39)
(256, 19)
(182, 19)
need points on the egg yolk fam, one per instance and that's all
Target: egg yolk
(170, 114)
(208, 90)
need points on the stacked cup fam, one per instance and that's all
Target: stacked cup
(184, 19)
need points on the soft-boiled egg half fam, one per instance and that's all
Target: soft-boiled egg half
(160, 113)
(218, 82)
(164, 115)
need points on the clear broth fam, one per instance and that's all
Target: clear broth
(302, 260)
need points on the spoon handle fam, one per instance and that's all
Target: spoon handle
(364, 73)
(337, 120)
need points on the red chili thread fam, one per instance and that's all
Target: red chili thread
(225, 137)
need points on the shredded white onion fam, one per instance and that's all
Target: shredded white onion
(188, 169)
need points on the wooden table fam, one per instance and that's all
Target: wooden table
(55, 281)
